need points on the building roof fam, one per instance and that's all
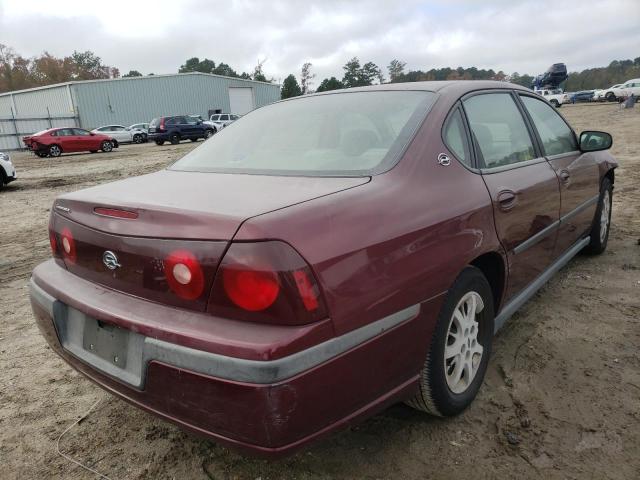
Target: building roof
(146, 77)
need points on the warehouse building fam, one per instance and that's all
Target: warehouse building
(125, 101)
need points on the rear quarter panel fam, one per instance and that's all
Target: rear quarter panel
(399, 240)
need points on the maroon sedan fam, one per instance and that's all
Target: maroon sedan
(56, 141)
(322, 258)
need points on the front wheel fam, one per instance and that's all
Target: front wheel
(602, 221)
(106, 146)
(555, 103)
(174, 139)
(137, 138)
(208, 133)
(460, 347)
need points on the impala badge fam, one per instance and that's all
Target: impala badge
(110, 260)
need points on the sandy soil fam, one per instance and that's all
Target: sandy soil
(561, 398)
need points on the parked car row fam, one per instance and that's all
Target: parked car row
(121, 134)
(618, 92)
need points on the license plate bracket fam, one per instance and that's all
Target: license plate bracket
(106, 341)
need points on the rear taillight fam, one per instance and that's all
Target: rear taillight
(266, 282)
(161, 126)
(184, 274)
(68, 245)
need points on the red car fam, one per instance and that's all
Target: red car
(56, 141)
(323, 257)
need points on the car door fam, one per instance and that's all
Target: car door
(523, 187)
(67, 140)
(578, 173)
(120, 133)
(224, 119)
(84, 140)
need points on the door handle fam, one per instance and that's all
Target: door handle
(507, 199)
(565, 176)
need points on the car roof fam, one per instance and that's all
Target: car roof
(455, 88)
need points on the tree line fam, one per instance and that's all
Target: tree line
(357, 75)
(18, 72)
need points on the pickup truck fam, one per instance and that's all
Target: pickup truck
(556, 97)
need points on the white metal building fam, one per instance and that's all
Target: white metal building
(126, 101)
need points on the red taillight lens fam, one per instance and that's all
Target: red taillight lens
(184, 274)
(250, 289)
(161, 127)
(266, 282)
(68, 245)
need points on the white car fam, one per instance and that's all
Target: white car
(122, 134)
(140, 126)
(7, 170)
(555, 97)
(631, 87)
(223, 119)
(613, 93)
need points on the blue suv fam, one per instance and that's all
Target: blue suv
(176, 128)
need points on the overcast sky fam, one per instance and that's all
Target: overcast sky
(158, 35)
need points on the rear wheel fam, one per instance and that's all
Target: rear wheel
(174, 139)
(208, 133)
(555, 103)
(106, 146)
(159, 142)
(602, 221)
(55, 151)
(610, 97)
(460, 347)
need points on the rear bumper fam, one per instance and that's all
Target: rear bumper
(264, 407)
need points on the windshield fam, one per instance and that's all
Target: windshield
(344, 134)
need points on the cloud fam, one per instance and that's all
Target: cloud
(158, 37)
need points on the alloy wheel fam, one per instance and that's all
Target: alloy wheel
(463, 352)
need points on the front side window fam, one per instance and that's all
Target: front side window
(214, 118)
(341, 134)
(557, 138)
(455, 137)
(498, 130)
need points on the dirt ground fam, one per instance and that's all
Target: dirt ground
(561, 398)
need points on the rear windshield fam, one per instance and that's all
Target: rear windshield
(153, 122)
(344, 134)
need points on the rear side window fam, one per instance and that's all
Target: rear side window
(498, 129)
(455, 137)
(557, 138)
(153, 122)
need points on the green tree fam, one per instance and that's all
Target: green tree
(330, 84)
(132, 73)
(194, 64)
(88, 66)
(351, 76)
(224, 69)
(395, 69)
(290, 87)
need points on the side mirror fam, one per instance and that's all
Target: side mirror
(594, 141)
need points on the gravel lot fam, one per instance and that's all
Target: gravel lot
(561, 398)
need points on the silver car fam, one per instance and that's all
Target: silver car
(7, 170)
(122, 134)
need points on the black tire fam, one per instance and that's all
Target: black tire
(114, 143)
(3, 178)
(208, 133)
(106, 146)
(174, 139)
(600, 230)
(555, 103)
(42, 154)
(610, 97)
(55, 151)
(159, 142)
(137, 138)
(435, 396)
